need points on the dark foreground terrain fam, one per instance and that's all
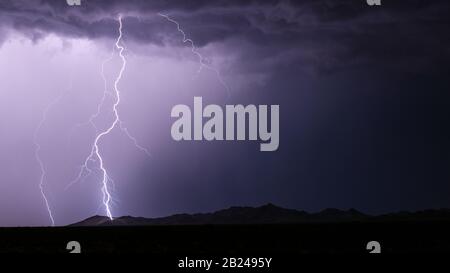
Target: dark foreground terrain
(266, 230)
(252, 240)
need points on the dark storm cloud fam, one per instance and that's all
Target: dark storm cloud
(90, 19)
(326, 35)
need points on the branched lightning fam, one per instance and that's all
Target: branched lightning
(95, 150)
(95, 154)
(201, 59)
(38, 150)
(84, 168)
(103, 99)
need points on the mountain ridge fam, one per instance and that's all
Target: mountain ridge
(266, 214)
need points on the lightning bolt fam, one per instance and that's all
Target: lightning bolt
(95, 149)
(91, 158)
(201, 59)
(95, 154)
(38, 150)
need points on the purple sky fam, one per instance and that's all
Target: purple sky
(363, 97)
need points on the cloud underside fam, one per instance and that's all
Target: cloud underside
(327, 35)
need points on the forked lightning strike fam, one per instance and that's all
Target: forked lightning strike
(95, 151)
(95, 154)
(85, 166)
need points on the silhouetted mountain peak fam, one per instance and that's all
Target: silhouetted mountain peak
(96, 220)
(270, 206)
